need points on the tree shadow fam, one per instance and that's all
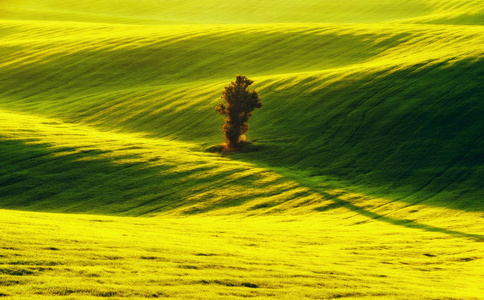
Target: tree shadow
(399, 222)
(405, 134)
(245, 147)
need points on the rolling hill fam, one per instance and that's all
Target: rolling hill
(372, 114)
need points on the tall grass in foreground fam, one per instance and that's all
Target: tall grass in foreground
(338, 254)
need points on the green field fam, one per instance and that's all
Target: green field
(365, 178)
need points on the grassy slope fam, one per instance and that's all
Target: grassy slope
(342, 104)
(218, 11)
(336, 255)
(103, 117)
(84, 170)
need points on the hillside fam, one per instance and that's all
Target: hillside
(252, 12)
(364, 179)
(392, 110)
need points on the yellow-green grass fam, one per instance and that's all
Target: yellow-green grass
(336, 254)
(364, 181)
(340, 100)
(249, 12)
(54, 166)
(49, 165)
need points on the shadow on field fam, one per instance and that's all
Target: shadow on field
(412, 134)
(39, 177)
(400, 222)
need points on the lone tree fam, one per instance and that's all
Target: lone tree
(238, 107)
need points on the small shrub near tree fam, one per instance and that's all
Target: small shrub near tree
(238, 105)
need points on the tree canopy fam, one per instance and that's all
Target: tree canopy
(238, 105)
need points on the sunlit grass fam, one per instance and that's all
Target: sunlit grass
(304, 242)
(109, 166)
(317, 256)
(364, 179)
(165, 80)
(223, 12)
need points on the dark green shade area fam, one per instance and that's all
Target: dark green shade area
(415, 134)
